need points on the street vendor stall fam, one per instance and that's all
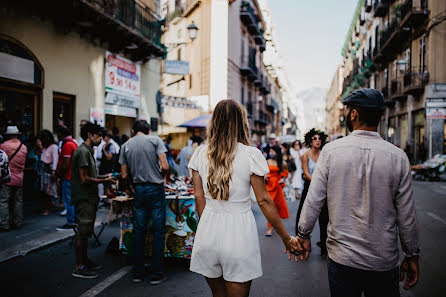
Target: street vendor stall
(181, 220)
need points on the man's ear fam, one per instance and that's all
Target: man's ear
(354, 115)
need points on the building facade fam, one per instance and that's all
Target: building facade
(398, 47)
(335, 118)
(226, 59)
(64, 61)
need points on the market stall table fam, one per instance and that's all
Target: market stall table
(181, 224)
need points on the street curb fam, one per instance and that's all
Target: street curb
(37, 244)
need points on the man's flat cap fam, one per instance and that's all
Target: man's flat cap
(365, 98)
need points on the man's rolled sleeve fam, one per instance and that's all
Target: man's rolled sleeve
(405, 213)
(315, 200)
(122, 157)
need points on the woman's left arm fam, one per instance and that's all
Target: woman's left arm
(200, 200)
(55, 157)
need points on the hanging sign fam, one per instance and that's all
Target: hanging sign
(122, 76)
(176, 67)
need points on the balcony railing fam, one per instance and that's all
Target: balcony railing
(380, 8)
(136, 18)
(262, 118)
(396, 89)
(414, 13)
(248, 66)
(415, 81)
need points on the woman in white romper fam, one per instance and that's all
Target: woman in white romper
(226, 247)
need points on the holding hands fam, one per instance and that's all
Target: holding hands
(298, 247)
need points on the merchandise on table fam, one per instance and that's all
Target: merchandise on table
(181, 222)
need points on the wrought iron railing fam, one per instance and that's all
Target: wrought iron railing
(133, 15)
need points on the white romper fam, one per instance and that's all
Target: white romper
(226, 243)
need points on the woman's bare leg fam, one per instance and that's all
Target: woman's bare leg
(217, 286)
(238, 289)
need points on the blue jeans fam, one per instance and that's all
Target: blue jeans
(149, 203)
(66, 198)
(346, 281)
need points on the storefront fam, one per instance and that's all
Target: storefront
(21, 83)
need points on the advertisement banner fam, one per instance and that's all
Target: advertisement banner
(436, 113)
(122, 76)
(176, 67)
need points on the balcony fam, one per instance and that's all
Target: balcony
(249, 108)
(396, 90)
(265, 88)
(124, 26)
(414, 14)
(248, 66)
(260, 40)
(247, 14)
(129, 21)
(272, 105)
(368, 5)
(393, 40)
(415, 81)
(380, 8)
(262, 118)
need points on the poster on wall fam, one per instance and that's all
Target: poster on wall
(97, 116)
(122, 78)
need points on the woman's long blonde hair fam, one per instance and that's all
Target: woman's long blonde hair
(228, 126)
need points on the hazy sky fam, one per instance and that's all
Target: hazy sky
(310, 34)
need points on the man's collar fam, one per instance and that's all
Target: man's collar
(87, 146)
(364, 133)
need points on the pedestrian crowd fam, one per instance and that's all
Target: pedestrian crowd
(359, 188)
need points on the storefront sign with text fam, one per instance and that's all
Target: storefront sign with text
(122, 76)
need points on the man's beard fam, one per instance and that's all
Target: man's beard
(349, 122)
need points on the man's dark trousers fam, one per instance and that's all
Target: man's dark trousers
(347, 281)
(149, 203)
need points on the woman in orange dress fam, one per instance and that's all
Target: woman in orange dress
(276, 182)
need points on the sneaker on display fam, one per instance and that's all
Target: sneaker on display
(63, 213)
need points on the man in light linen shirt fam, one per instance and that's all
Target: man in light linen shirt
(367, 183)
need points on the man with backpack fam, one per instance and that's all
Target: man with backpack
(11, 195)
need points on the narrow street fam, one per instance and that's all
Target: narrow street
(48, 271)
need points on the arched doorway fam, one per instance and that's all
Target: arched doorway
(21, 83)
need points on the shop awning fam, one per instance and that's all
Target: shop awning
(198, 122)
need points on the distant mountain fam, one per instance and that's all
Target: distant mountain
(310, 106)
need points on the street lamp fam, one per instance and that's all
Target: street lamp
(193, 30)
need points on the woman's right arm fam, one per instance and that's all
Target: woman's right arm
(305, 167)
(270, 212)
(200, 200)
